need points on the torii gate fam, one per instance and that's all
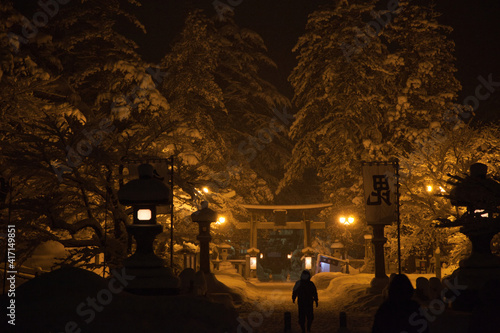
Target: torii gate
(306, 225)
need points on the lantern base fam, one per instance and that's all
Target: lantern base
(150, 281)
(466, 282)
(151, 277)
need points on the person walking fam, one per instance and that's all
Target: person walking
(306, 292)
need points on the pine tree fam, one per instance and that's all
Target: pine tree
(370, 85)
(341, 86)
(349, 86)
(216, 87)
(254, 105)
(425, 85)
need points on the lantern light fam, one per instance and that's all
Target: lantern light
(253, 263)
(144, 214)
(308, 263)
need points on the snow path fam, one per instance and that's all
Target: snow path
(266, 313)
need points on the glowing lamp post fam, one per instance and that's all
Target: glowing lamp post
(144, 194)
(204, 217)
(346, 222)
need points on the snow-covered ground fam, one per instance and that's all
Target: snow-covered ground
(268, 301)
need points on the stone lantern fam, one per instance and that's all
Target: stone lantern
(144, 194)
(337, 249)
(204, 217)
(225, 265)
(481, 196)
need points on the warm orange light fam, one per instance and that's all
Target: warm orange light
(144, 214)
(346, 221)
(253, 263)
(308, 263)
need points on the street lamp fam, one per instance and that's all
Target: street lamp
(346, 222)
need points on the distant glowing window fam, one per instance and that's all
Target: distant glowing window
(144, 214)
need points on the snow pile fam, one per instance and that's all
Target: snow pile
(322, 280)
(351, 294)
(239, 286)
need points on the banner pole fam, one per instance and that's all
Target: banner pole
(398, 216)
(172, 213)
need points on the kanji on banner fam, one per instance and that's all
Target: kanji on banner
(380, 181)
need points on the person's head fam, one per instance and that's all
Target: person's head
(422, 283)
(305, 275)
(400, 288)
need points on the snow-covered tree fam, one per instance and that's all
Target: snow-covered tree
(366, 91)
(254, 127)
(215, 85)
(425, 87)
(341, 99)
(88, 102)
(424, 179)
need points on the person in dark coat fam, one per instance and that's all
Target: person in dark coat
(306, 292)
(399, 313)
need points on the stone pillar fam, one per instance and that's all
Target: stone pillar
(247, 266)
(307, 234)
(253, 234)
(204, 238)
(381, 279)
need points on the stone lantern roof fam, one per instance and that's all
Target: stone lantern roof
(146, 190)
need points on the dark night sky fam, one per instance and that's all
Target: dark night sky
(280, 22)
(476, 32)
